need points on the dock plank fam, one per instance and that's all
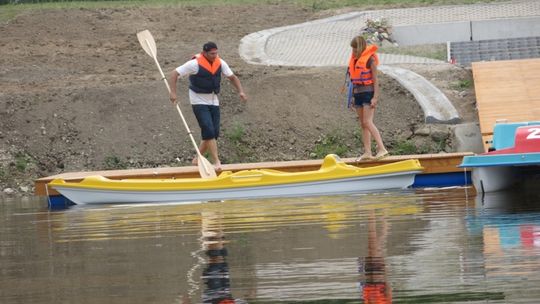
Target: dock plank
(506, 90)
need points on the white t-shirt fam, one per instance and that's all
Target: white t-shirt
(191, 68)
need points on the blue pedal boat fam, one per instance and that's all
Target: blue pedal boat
(513, 158)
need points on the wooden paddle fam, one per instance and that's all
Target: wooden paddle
(149, 45)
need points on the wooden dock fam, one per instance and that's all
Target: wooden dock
(432, 163)
(506, 91)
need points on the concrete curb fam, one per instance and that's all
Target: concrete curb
(436, 106)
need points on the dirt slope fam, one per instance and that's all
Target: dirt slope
(78, 93)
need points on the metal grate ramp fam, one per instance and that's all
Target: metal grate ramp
(464, 53)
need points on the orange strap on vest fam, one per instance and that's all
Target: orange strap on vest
(210, 67)
(359, 72)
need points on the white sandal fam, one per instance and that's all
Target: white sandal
(364, 157)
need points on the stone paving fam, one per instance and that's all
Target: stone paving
(326, 41)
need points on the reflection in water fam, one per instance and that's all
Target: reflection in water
(414, 246)
(375, 286)
(509, 223)
(215, 275)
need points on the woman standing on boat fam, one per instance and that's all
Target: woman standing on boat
(362, 72)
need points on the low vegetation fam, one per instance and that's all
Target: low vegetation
(113, 162)
(10, 8)
(3, 174)
(22, 161)
(405, 147)
(433, 51)
(331, 143)
(462, 84)
(241, 152)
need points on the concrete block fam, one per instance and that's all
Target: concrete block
(432, 33)
(468, 138)
(505, 28)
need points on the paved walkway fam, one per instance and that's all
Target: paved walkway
(327, 43)
(326, 40)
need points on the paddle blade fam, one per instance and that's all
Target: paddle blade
(147, 42)
(205, 168)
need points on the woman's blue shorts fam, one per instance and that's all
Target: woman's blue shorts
(363, 99)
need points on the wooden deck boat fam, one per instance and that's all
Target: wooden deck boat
(513, 158)
(334, 177)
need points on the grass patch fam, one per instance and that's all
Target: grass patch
(22, 161)
(8, 12)
(434, 51)
(405, 147)
(114, 162)
(408, 147)
(240, 149)
(463, 84)
(11, 8)
(236, 133)
(332, 143)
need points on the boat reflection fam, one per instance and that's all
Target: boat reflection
(509, 224)
(507, 220)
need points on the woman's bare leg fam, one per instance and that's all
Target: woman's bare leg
(366, 135)
(367, 124)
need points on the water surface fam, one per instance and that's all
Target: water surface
(411, 246)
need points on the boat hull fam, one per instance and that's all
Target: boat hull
(338, 186)
(490, 179)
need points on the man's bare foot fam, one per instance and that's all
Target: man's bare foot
(217, 166)
(195, 161)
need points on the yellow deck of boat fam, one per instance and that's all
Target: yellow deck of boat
(432, 163)
(506, 91)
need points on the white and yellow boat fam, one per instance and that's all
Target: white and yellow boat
(334, 177)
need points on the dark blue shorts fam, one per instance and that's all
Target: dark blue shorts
(208, 119)
(363, 99)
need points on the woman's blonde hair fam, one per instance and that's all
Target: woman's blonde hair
(359, 44)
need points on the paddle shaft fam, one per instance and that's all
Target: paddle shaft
(177, 107)
(149, 46)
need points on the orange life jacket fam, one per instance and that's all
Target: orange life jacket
(376, 294)
(359, 72)
(210, 67)
(208, 79)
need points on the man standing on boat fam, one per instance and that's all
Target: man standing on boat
(204, 71)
